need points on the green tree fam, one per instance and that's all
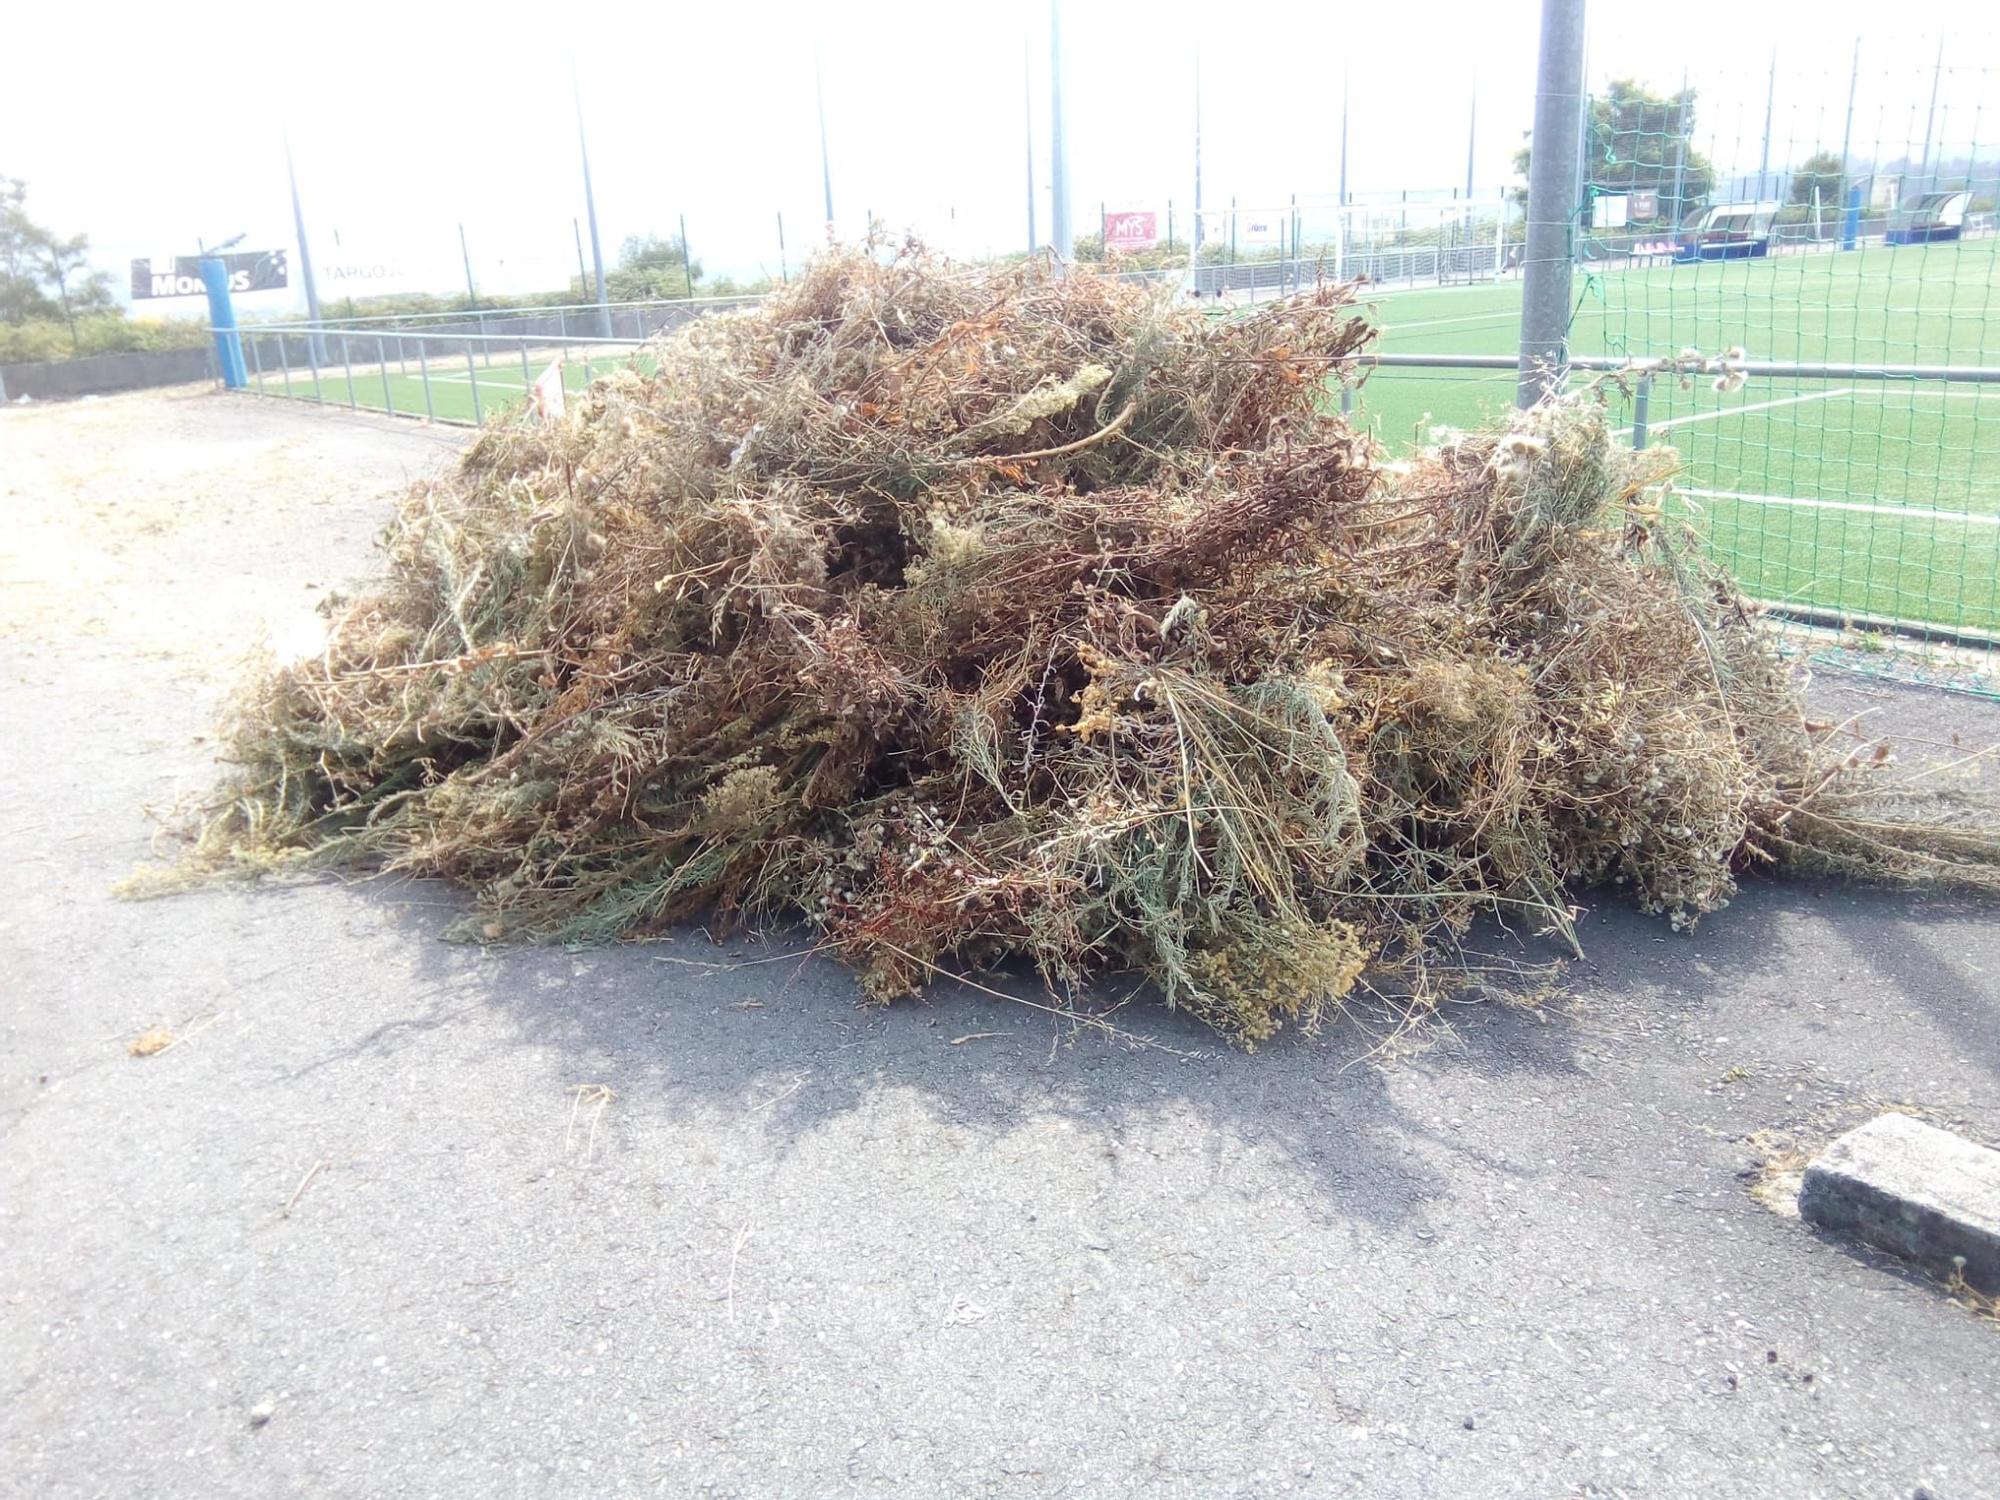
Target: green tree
(650, 267)
(22, 298)
(1821, 171)
(54, 306)
(65, 265)
(1641, 141)
(36, 262)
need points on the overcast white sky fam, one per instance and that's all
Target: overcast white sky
(410, 119)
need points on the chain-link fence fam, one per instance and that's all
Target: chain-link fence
(1791, 280)
(1844, 228)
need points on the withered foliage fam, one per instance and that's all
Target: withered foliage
(975, 613)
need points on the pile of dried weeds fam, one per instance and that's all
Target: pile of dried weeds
(976, 613)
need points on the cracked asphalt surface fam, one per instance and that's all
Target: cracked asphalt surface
(395, 1217)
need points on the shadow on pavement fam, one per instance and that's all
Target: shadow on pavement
(771, 1038)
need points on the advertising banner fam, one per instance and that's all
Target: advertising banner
(1136, 230)
(180, 275)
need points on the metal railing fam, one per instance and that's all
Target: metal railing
(573, 321)
(1899, 579)
(436, 375)
(1905, 569)
(576, 309)
(1400, 266)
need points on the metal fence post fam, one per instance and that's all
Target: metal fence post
(527, 379)
(312, 361)
(472, 373)
(1552, 202)
(347, 367)
(424, 369)
(285, 363)
(1642, 398)
(256, 362)
(382, 357)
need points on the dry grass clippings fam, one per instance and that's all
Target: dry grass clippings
(980, 612)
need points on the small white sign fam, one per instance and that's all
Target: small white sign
(547, 393)
(1257, 229)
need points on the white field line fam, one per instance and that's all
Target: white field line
(1737, 411)
(1901, 512)
(499, 376)
(1398, 374)
(1510, 315)
(1392, 292)
(486, 377)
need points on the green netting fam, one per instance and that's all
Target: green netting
(1854, 232)
(1865, 510)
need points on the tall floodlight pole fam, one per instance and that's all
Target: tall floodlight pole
(1472, 138)
(1028, 130)
(1343, 137)
(1552, 200)
(1770, 98)
(465, 254)
(1930, 118)
(1847, 132)
(305, 255)
(590, 212)
(825, 161)
(1681, 151)
(1196, 258)
(1060, 238)
(1472, 154)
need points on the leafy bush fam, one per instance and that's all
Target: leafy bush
(103, 333)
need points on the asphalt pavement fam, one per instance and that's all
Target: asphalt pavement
(399, 1217)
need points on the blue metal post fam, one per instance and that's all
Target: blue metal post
(1850, 222)
(222, 318)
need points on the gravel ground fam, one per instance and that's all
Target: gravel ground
(395, 1217)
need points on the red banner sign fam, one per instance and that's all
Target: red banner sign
(1131, 231)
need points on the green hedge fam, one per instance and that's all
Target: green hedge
(48, 338)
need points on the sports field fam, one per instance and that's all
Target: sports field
(1879, 498)
(1864, 497)
(386, 374)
